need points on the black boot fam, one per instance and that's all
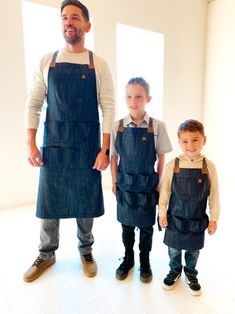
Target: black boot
(145, 269)
(125, 266)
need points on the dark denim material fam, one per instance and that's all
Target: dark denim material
(190, 257)
(136, 178)
(68, 186)
(187, 218)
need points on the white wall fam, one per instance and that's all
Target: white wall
(219, 108)
(182, 21)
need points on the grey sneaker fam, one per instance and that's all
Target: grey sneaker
(89, 265)
(38, 267)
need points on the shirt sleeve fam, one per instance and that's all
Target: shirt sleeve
(214, 202)
(162, 141)
(165, 190)
(113, 137)
(106, 95)
(35, 97)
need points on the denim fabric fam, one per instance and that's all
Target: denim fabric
(191, 258)
(187, 218)
(49, 236)
(136, 178)
(68, 186)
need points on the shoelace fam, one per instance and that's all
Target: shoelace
(88, 258)
(38, 261)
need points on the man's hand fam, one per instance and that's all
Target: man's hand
(34, 156)
(101, 162)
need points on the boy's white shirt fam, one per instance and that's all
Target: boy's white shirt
(191, 163)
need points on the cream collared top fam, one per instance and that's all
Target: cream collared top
(161, 138)
(187, 162)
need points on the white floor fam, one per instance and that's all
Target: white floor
(63, 289)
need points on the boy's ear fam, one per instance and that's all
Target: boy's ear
(204, 141)
(149, 98)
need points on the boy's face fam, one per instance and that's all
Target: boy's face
(191, 143)
(136, 99)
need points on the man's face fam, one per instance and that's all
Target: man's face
(74, 25)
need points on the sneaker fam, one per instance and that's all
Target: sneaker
(38, 267)
(145, 272)
(194, 286)
(170, 280)
(124, 267)
(89, 265)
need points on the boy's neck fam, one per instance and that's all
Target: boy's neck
(138, 119)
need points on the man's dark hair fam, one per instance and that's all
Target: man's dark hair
(191, 126)
(78, 4)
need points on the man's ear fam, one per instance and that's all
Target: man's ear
(88, 27)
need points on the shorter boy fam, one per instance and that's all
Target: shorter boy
(138, 143)
(189, 181)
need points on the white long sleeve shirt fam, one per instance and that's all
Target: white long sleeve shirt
(38, 90)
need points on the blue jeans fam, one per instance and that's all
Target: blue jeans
(49, 236)
(190, 257)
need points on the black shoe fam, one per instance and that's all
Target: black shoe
(194, 286)
(125, 266)
(145, 271)
(170, 280)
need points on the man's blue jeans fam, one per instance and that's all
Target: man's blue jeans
(190, 257)
(49, 236)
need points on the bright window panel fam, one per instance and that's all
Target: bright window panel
(140, 52)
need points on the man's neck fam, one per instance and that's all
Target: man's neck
(75, 48)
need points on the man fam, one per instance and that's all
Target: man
(74, 82)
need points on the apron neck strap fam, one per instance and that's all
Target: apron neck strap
(91, 60)
(53, 60)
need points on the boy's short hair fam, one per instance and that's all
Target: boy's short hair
(191, 125)
(140, 81)
(78, 4)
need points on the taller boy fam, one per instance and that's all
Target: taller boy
(137, 142)
(74, 82)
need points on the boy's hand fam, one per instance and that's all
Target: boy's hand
(212, 227)
(114, 189)
(163, 222)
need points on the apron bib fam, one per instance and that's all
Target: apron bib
(136, 178)
(187, 218)
(68, 186)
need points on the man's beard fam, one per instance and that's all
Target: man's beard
(77, 38)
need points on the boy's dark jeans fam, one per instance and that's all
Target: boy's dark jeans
(145, 243)
(191, 258)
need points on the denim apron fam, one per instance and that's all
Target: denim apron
(136, 179)
(68, 186)
(187, 218)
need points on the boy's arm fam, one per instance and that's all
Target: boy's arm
(114, 169)
(160, 166)
(165, 193)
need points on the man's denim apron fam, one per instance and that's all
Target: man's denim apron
(136, 178)
(187, 218)
(68, 186)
